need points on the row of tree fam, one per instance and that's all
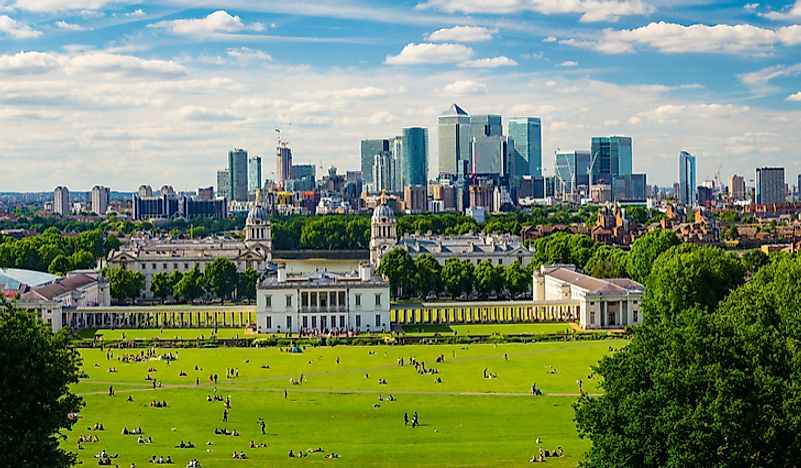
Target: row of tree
(219, 280)
(55, 252)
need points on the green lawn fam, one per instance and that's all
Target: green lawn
(164, 333)
(489, 329)
(466, 420)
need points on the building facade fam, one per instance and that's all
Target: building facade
(572, 170)
(368, 149)
(526, 133)
(254, 173)
(61, 201)
(52, 301)
(283, 164)
(612, 155)
(100, 199)
(223, 184)
(687, 183)
(770, 185)
(322, 303)
(453, 141)
(737, 187)
(414, 156)
(238, 175)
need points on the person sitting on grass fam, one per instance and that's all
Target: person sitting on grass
(291, 454)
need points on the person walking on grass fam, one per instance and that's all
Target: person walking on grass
(225, 415)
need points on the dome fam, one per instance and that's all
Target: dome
(383, 211)
(258, 213)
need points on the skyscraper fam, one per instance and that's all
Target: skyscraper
(526, 133)
(571, 170)
(486, 124)
(100, 199)
(383, 176)
(687, 183)
(769, 185)
(254, 173)
(414, 156)
(737, 187)
(238, 175)
(612, 157)
(61, 200)
(369, 148)
(223, 185)
(454, 143)
(283, 164)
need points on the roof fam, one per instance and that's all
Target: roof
(320, 278)
(383, 211)
(455, 110)
(463, 245)
(59, 287)
(595, 285)
(13, 278)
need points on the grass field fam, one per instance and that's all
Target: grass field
(489, 329)
(466, 420)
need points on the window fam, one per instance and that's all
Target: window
(163, 266)
(304, 299)
(377, 320)
(289, 300)
(174, 266)
(636, 315)
(500, 261)
(288, 323)
(186, 266)
(592, 317)
(358, 320)
(314, 321)
(611, 318)
(378, 299)
(154, 266)
(333, 321)
(323, 323)
(592, 303)
(358, 298)
(269, 322)
(305, 321)
(268, 301)
(341, 321)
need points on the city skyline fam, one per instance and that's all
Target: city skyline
(122, 93)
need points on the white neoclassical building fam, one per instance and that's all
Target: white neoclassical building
(603, 303)
(322, 301)
(500, 249)
(154, 255)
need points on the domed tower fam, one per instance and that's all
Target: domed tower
(383, 232)
(258, 234)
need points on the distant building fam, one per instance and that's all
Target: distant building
(454, 143)
(737, 187)
(100, 199)
(157, 207)
(254, 173)
(205, 193)
(572, 170)
(145, 191)
(167, 190)
(383, 173)
(613, 157)
(687, 180)
(770, 185)
(705, 196)
(223, 184)
(322, 302)
(414, 156)
(370, 148)
(238, 175)
(526, 133)
(57, 303)
(283, 164)
(303, 177)
(61, 201)
(415, 198)
(629, 187)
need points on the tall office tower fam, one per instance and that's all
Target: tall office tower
(238, 175)
(254, 173)
(488, 155)
(61, 200)
(223, 184)
(369, 148)
(454, 143)
(612, 157)
(486, 124)
(283, 164)
(687, 182)
(737, 187)
(383, 176)
(303, 177)
(414, 156)
(145, 191)
(396, 148)
(571, 170)
(770, 185)
(526, 133)
(100, 198)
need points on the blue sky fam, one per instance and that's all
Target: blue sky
(122, 93)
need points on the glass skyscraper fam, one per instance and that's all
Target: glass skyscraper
(687, 183)
(238, 175)
(526, 132)
(612, 157)
(370, 148)
(571, 170)
(454, 143)
(254, 173)
(414, 159)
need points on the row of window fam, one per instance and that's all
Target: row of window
(324, 323)
(635, 315)
(155, 266)
(268, 300)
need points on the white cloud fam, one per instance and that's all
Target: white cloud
(751, 7)
(69, 26)
(46, 6)
(795, 97)
(136, 13)
(590, 10)
(246, 54)
(759, 80)
(15, 29)
(367, 92)
(430, 53)
(117, 64)
(568, 63)
(462, 87)
(13, 113)
(793, 12)
(549, 39)
(677, 38)
(674, 112)
(461, 34)
(493, 62)
(217, 22)
(200, 113)
(29, 62)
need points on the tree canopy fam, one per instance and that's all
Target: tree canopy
(646, 249)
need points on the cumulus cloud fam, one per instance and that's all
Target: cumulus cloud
(427, 52)
(568, 63)
(366, 92)
(795, 97)
(219, 21)
(549, 39)
(69, 26)
(135, 13)
(15, 29)
(246, 54)
(677, 38)
(29, 62)
(490, 62)
(590, 10)
(461, 87)
(46, 6)
(34, 62)
(461, 34)
(790, 13)
(759, 80)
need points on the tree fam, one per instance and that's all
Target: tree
(124, 284)
(39, 368)
(516, 279)
(161, 285)
(221, 277)
(60, 265)
(457, 276)
(607, 262)
(427, 275)
(713, 384)
(397, 265)
(646, 249)
(82, 259)
(487, 278)
(753, 260)
(246, 285)
(190, 286)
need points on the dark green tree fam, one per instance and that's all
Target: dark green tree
(221, 278)
(607, 262)
(60, 265)
(427, 275)
(246, 286)
(646, 249)
(398, 267)
(161, 285)
(190, 286)
(753, 260)
(488, 278)
(516, 280)
(124, 284)
(457, 276)
(38, 370)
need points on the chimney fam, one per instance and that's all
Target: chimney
(282, 275)
(365, 274)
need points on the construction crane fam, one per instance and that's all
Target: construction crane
(718, 186)
(590, 169)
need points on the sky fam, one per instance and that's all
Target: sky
(122, 93)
